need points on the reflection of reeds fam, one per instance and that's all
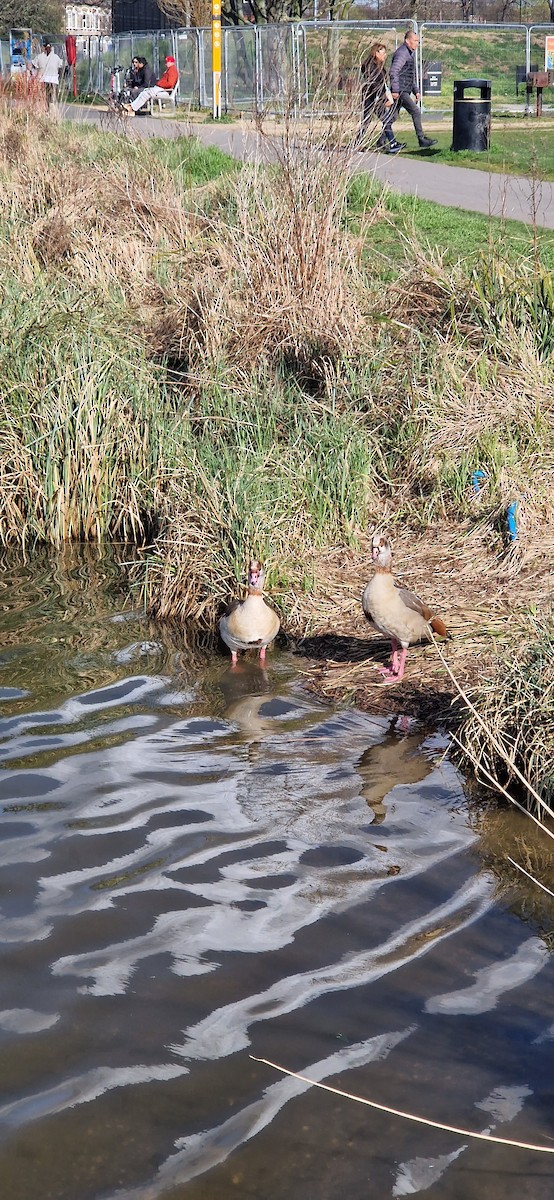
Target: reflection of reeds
(519, 854)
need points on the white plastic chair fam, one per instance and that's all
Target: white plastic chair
(169, 98)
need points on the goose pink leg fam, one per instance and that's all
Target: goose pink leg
(262, 654)
(396, 676)
(388, 672)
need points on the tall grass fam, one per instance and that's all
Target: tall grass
(271, 472)
(91, 227)
(516, 705)
(223, 365)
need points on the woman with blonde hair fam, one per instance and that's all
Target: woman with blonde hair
(377, 100)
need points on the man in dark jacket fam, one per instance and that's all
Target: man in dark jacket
(403, 84)
(140, 75)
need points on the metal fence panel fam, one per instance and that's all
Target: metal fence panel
(276, 76)
(334, 51)
(205, 80)
(474, 51)
(537, 35)
(186, 53)
(310, 65)
(141, 44)
(239, 66)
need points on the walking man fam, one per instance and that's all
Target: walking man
(47, 67)
(403, 84)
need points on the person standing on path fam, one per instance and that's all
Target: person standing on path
(377, 101)
(47, 66)
(403, 84)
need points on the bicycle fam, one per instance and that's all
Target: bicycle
(119, 96)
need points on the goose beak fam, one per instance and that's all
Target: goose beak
(375, 553)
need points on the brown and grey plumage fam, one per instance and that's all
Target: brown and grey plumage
(395, 612)
(250, 624)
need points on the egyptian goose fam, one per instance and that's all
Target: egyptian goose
(395, 611)
(250, 623)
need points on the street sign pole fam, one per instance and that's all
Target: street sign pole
(216, 58)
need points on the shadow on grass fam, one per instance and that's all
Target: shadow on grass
(340, 649)
(419, 695)
(424, 152)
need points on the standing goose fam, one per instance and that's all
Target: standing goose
(395, 612)
(250, 624)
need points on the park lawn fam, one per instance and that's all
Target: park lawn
(518, 146)
(452, 232)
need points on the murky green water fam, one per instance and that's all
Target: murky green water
(198, 865)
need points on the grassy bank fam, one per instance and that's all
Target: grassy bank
(518, 146)
(213, 361)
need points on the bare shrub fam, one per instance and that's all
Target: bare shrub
(283, 281)
(52, 240)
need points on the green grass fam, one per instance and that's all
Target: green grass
(454, 233)
(518, 146)
(184, 157)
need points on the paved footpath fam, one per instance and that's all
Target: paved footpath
(508, 196)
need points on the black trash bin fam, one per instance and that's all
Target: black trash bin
(432, 79)
(471, 115)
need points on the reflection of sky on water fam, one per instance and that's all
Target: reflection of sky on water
(203, 1151)
(260, 876)
(417, 1175)
(491, 983)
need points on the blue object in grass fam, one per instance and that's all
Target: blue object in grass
(477, 480)
(511, 521)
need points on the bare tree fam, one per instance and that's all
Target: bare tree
(506, 7)
(188, 12)
(265, 12)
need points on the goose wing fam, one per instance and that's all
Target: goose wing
(415, 603)
(232, 607)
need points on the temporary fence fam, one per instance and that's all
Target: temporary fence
(307, 65)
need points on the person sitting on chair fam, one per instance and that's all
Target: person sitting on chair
(163, 87)
(139, 76)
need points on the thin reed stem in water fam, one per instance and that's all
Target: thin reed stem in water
(398, 1112)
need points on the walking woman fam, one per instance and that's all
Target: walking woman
(377, 101)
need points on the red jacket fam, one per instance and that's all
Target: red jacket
(169, 78)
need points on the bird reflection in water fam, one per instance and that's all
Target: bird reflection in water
(246, 689)
(391, 762)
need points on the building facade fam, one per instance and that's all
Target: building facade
(82, 18)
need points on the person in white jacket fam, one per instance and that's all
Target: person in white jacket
(47, 66)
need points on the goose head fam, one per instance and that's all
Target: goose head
(381, 551)
(256, 576)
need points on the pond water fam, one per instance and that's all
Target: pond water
(199, 865)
